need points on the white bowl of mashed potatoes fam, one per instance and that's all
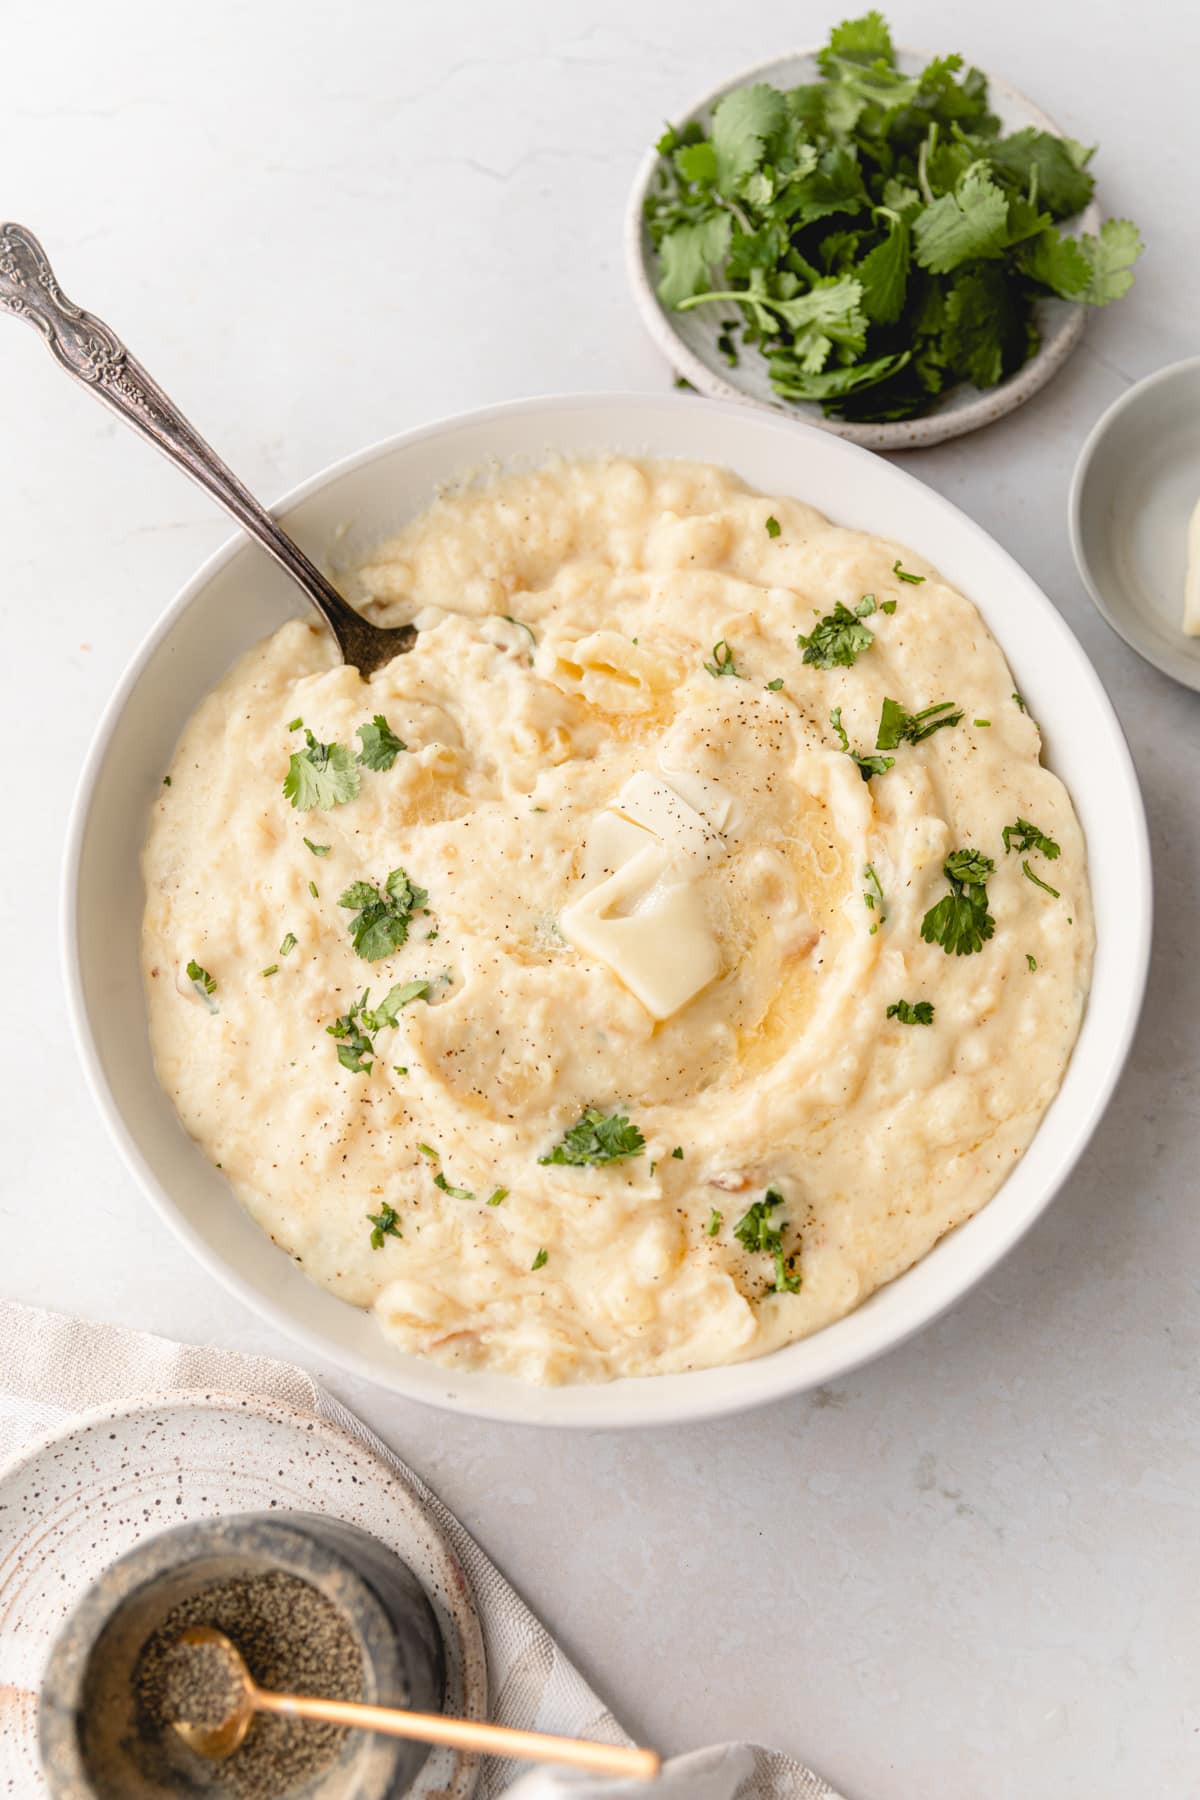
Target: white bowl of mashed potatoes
(673, 983)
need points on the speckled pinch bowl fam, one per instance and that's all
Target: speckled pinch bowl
(689, 339)
(1135, 486)
(91, 1744)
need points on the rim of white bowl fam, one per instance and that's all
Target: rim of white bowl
(898, 434)
(1186, 673)
(609, 1405)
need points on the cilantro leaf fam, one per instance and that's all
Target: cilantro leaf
(958, 227)
(688, 254)
(386, 1223)
(873, 898)
(597, 1138)
(715, 1221)
(883, 274)
(321, 775)
(380, 745)
(1037, 880)
(837, 641)
(902, 574)
(200, 978)
(865, 40)
(896, 726)
(318, 849)
(354, 1046)
(722, 662)
(773, 527)
(1110, 257)
(1064, 186)
(757, 1235)
(919, 1012)
(388, 1010)
(382, 918)
(497, 1196)
(867, 765)
(743, 123)
(456, 1193)
(539, 1261)
(1024, 836)
(961, 922)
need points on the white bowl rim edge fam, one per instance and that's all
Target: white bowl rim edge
(768, 1377)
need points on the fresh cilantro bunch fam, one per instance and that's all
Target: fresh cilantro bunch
(597, 1138)
(880, 238)
(382, 917)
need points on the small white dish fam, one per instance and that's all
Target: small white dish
(689, 339)
(239, 596)
(1136, 484)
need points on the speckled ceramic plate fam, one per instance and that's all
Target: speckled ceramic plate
(71, 1504)
(689, 339)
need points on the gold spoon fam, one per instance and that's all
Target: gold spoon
(92, 352)
(220, 1741)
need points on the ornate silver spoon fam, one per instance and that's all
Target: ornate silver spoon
(96, 357)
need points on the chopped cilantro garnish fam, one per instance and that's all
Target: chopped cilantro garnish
(521, 626)
(896, 726)
(271, 969)
(867, 765)
(354, 1045)
(837, 640)
(380, 745)
(982, 721)
(773, 687)
(757, 1235)
(918, 1013)
(1019, 701)
(428, 1150)
(773, 527)
(295, 724)
(961, 922)
(722, 662)
(386, 1223)
(1032, 961)
(887, 606)
(288, 944)
(166, 781)
(903, 574)
(677, 1153)
(873, 898)
(1038, 882)
(312, 888)
(595, 1139)
(539, 1261)
(318, 849)
(496, 1198)
(200, 978)
(381, 918)
(1024, 836)
(322, 775)
(455, 1193)
(388, 1010)
(715, 1221)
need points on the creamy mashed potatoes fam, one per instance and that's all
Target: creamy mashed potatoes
(657, 885)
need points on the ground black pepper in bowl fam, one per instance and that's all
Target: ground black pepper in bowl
(293, 1640)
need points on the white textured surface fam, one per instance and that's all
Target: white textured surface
(972, 1568)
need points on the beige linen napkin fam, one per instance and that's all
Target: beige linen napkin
(52, 1367)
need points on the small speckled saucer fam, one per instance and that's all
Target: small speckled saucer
(72, 1503)
(689, 339)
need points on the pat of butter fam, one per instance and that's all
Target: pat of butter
(611, 842)
(656, 807)
(714, 803)
(650, 929)
(1191, 591)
